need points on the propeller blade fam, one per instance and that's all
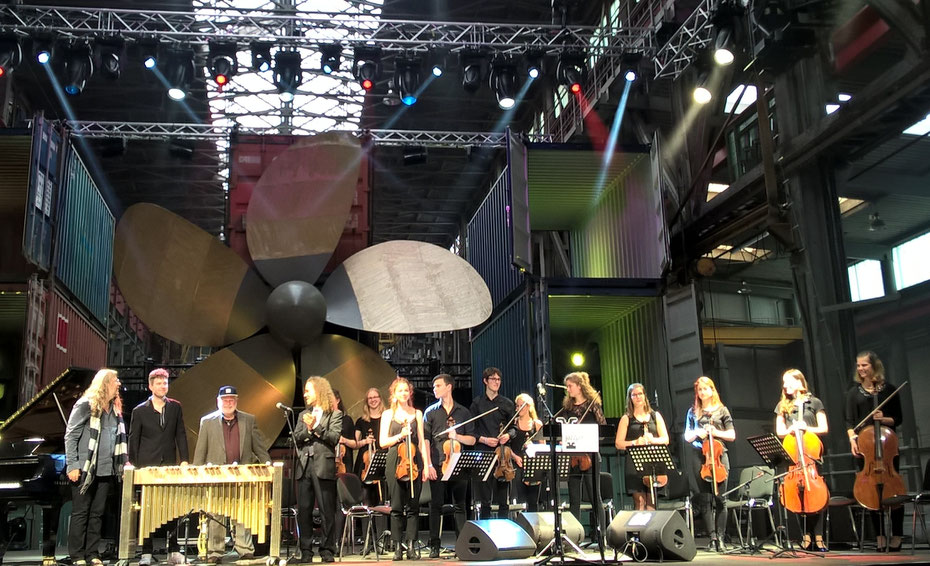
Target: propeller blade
(260, 369)
(350, 367)
(406, 287)
(184, 283)
(300, 206)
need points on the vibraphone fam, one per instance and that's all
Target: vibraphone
(249, 495)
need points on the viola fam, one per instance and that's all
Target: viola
(878, 480)
(449, 447)
(713, 470)
(803, 489)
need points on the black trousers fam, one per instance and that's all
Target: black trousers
(484, 491)
(87, 518)
(405, 509)
(441, 491)
(712, 508)
(528, 494)
(321, 492)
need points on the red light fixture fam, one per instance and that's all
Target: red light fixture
(221, 79)
(2, 72)
(575, 88)
(367, 84)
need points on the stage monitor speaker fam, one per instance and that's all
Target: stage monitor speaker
(665, 534)
(493, 539)
(541, 527)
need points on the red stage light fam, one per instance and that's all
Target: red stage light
(2, 71)
(367, 84)
(221, 79)
(575, 88)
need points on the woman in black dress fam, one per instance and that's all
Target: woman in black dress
(527, 425)
(640, 425)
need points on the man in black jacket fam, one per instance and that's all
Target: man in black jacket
(157, 437)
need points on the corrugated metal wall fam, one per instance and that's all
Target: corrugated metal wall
(505, 343)
(632, 350)
(84, 243)
(43, 190)
(70, 340)
(625, 235)
(488, 244)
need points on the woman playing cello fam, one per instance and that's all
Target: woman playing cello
(640, 425)
(871, 387)
(798, 410)
(527, 425)
(708, 419)
(402, 430)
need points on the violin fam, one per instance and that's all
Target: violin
(803, 490)
(366, 456)
(878, 444)
(582, 462)
(449, 446)
(661, 479)
(713, 470)
(407, 468)
(340, 454)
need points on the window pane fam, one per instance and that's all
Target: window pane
(865, 280)
(910, 263)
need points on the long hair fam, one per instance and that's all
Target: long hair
(394, 384)
(629, 399)
(96, 393)
(525, 399)
(584, 382)
(878, 369)
(715, 400)
(786, 403)
(366, 410)
(325, 399)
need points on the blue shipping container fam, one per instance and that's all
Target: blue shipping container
(506, 343)
(43, 189)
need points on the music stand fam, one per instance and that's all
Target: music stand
(537, 467)
(770, 449)
(469, 463)
(652, 459)
(376, 466)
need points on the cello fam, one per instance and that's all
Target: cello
(878, 444)
(803, 489)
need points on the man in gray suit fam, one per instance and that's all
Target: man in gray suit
(319, 427)
(229, 436)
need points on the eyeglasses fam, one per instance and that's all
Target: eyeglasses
(494, 379)
(640, 394)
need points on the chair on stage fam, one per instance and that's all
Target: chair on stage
(351, 501)
(918, 499)
(756, 494)
(607, 498)
(677, 497)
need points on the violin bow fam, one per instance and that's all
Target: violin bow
(463, 423)
(879, 406)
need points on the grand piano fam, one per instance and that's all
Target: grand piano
(32, 455)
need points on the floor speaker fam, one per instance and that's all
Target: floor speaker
(493, 539)
(541, 527)
(664, 534)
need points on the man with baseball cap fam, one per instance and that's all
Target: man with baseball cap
(229, 436)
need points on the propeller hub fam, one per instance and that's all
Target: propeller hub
(296, 312)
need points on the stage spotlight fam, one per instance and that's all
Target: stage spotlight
(630, 75)
(366, 66)
(149, 51)
(108, 53)
(261, 56)
(330, 56)
(11, 54)
(78, 67)
(222, 62)
(504, 84)
(534, 65)
(438, 57)
(570, 71)
(702, 94)
(407, 80)
(43, 50)
(287, 74)
(474, 70)
(179, 72)
(578, 359)
(723, 53)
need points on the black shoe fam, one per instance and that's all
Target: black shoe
(306, 557)
(413, 553)
(434, 552)
(327, 557)
(398, 552)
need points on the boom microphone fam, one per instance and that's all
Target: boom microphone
(283, 407)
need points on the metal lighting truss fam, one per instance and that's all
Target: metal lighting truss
(693, 35)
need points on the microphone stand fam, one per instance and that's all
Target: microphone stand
(290, 417)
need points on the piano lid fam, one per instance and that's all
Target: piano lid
(45, 416)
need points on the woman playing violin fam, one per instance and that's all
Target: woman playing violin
(795, 398)
(583, 403)
(709, 419)
(640, 425)
(402, 430)
(367, 429)
(870, 381)
(527, 425)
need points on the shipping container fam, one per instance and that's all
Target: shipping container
(84, 239)
(14, 304)
(506, 343)
(15, 147)
(43, 190)
(71, 339)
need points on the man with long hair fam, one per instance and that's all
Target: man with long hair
(95, 453)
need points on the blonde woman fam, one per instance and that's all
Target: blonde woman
(398, 423)
(526, 425)
(640, 425)
(95, 452)
(709, 416)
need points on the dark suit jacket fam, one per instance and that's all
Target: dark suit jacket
(323, 438)
(211, 448)
(152, 445)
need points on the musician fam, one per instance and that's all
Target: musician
(347, 441)
(709, 416)
(870, 380)
(229, 436)
(157, 437)
(527, 426)
(639, 426)
(582, 403)
(489, 433)
(319, 427)
(439, 416)
(398, 423)
(367, 429)
(95, 452)
(794, 392)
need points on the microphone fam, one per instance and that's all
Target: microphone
(554, 385)
(541, 389)
(283, 407)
